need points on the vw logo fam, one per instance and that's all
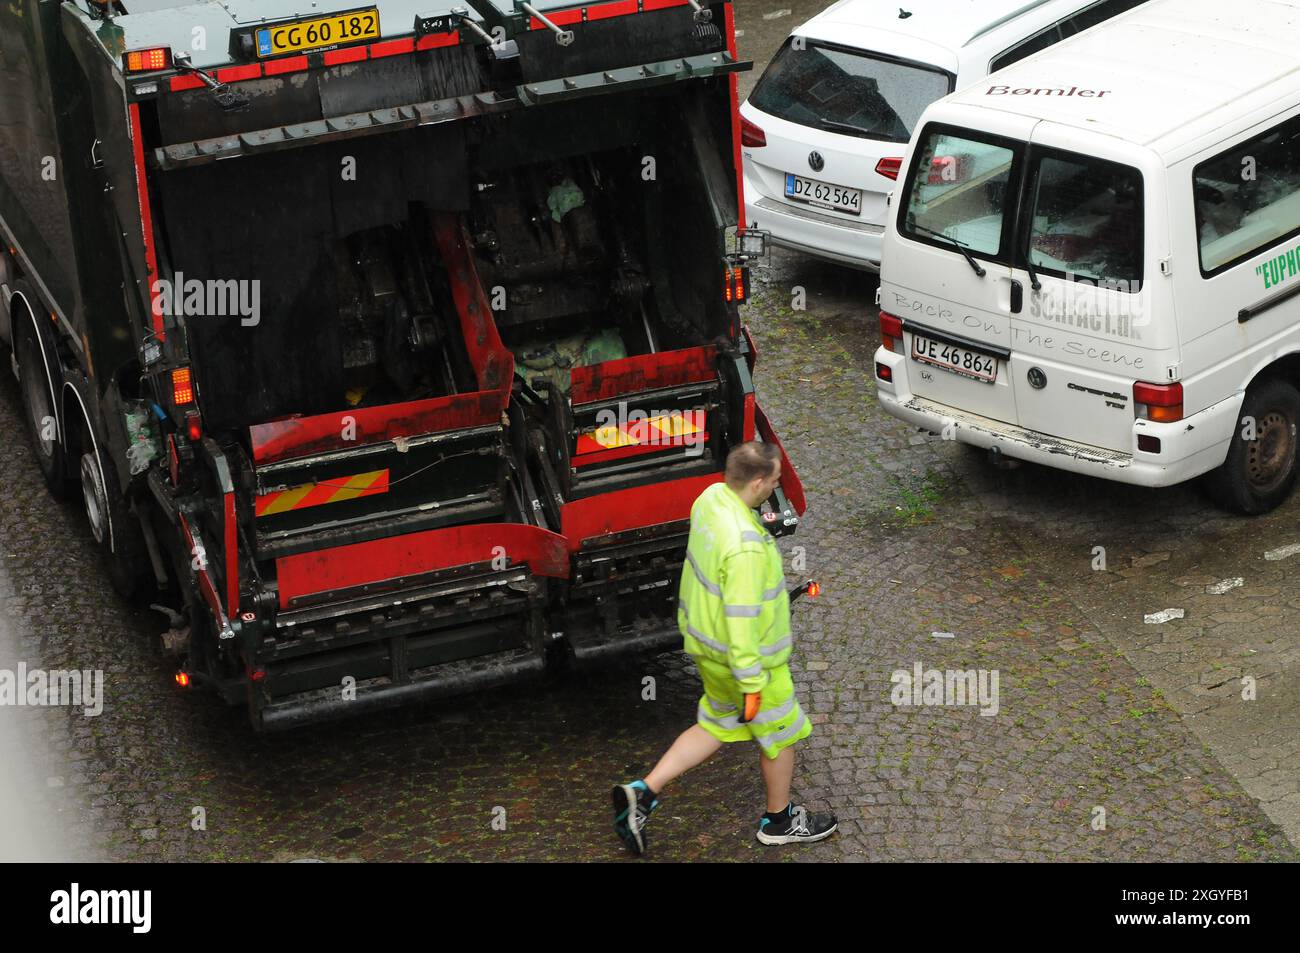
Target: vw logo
(1037, 379)
(816, 162)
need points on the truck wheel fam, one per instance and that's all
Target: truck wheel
(38, 402)
(1259, 474)
(114, 526)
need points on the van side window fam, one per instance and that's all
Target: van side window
(1248, 198)
(1086, 220)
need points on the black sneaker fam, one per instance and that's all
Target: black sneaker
(796, 826)
(632, 806)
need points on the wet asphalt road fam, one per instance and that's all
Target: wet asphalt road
(910, 536)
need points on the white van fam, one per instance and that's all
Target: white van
(823, 133)
(1093, 260)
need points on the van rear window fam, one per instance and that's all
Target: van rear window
(1248, 198)
(1083, 218)
(848, 91)
(1087, 220)
(959, 191)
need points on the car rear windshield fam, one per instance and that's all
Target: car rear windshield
(848, 91)
(1084, 215)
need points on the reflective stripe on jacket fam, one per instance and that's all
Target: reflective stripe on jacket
(732, 606)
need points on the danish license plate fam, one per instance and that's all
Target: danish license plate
(823, 194)
(318, 33)
(958, 360)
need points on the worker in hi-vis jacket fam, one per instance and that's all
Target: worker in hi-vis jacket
(734, 615)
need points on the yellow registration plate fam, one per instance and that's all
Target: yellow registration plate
(318, 33)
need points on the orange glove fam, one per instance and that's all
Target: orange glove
(753, 702)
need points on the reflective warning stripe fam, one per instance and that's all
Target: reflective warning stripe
(666, 429)
(334, 490)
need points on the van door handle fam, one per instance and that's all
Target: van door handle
(1017, 296)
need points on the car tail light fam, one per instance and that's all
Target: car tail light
(884, 372)
(890, 167)
(1159, 402)
(891, 332)
(194, 427)
(750, 134)
(949, 170)
(182, 387)
(148, 60)
(1148, 443)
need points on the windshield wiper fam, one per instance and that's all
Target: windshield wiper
(1029, 267)
(843, 127)
(960, 246)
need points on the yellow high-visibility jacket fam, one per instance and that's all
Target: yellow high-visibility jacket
(732, 606)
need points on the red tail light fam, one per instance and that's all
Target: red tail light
(194, 427)
(1162, 402)
(890, 167)
(183, 679)
(891, 332)
(751, 135)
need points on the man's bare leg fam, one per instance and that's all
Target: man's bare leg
(778, 772)
(693, 747)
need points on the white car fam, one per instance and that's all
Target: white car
(823, 133)
(1104, 277)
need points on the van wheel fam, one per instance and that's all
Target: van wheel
(114, 526)
(38, 403)
(1259, 474)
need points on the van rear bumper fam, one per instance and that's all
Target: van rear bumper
(1188, 448)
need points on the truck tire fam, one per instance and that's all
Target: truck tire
(34, 352)
(1259, 474)
(114, 526)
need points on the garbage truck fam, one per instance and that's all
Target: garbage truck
(392, 342)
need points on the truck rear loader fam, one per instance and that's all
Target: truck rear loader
(394, 341)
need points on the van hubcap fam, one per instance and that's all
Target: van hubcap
(1270, 457)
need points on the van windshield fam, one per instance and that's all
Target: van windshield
(1084, 214)
(848, 91)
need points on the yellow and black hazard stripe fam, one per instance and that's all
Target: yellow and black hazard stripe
(336, 490)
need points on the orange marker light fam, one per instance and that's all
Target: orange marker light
(814, 589)
(148, 60)
(182, 387)
(183, 679)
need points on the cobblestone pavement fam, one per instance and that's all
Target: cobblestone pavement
(910, 536)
